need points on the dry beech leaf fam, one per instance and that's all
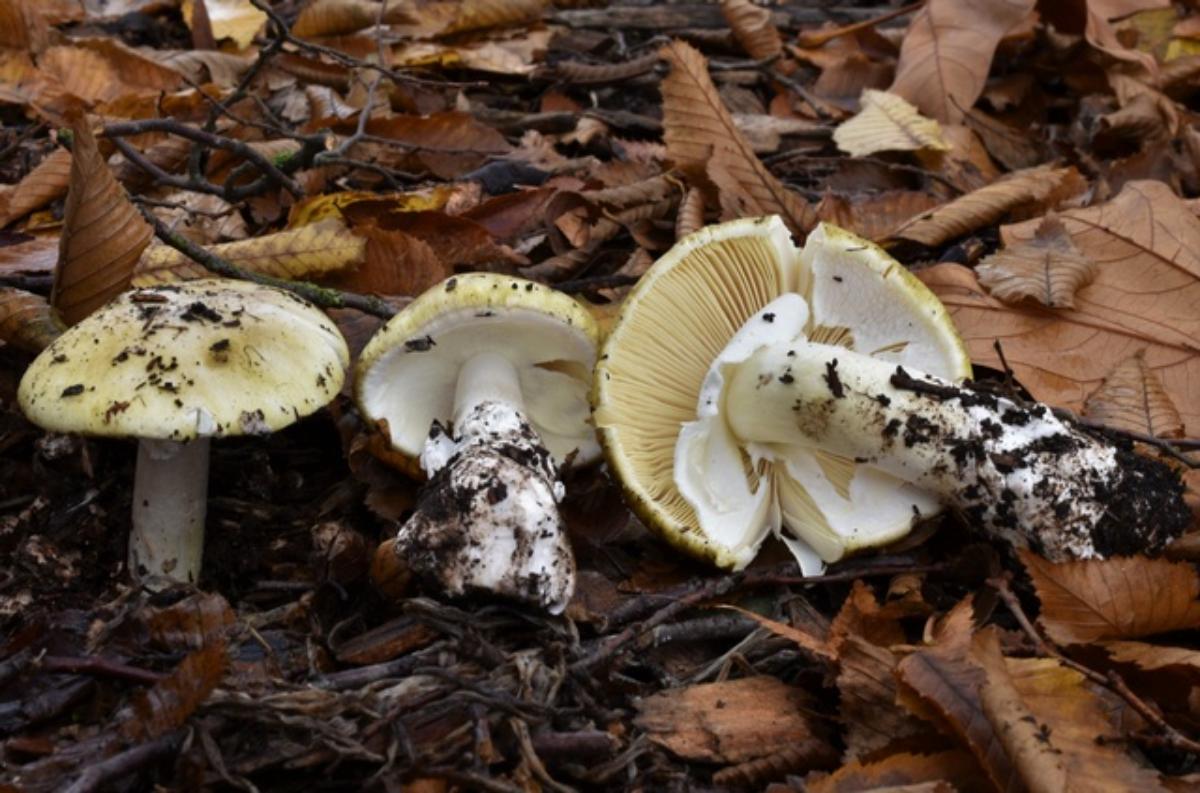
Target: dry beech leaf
(805, 641)
(222, 69)
(752, 27)
(26, 321)
(467, 15)
(449, 143)
(394, 263)
(701, 136)
(45, 183)
(965, 163)
(201, 217)
(983, 206)
(1132, 398)
(188, 624)
(729, 722)
(312, 251)
(1089, 600)
(22, 27)
(887, 123)
(690, 216)
(103, 235)
(237, 20)
(947, 53)
(1048, 718)
(877, 215)
(121, 70)
(1145, 297)
(1048, 268)
(946, 683)
(902, 771)
(335, 17)
(37, 256)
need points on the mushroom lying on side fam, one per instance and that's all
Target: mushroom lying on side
(174, 366)
(485, 378)
(749, 386)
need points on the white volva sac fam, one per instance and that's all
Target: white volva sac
(484, 377)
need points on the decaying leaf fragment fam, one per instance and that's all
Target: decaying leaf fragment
(45, 183)
(887, 123)
(1132, 398)
(1090, 600)
(1048, 268)
(103, 235)
(729, 722)
(701, 136)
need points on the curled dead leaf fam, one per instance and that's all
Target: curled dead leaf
(26, 321)
(1132, 398)
(753, 28)
(1048, 268)
(887, 122)
(103, 235)
(983, 206)
(701, 136)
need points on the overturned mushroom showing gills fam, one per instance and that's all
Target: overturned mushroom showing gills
(818, 393)
(175, 366)
(485, 379)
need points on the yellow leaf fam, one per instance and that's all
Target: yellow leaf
(947, 53)
(316, 250)
(1048, 268)
(1132, 398)
(887, 123)
(983, 206)
(26, 321)
(103, 234)
(322, 207)
(701, 136)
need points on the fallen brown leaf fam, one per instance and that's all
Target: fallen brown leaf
(887, 122)
(394, 263)
(756, 34)
(877, 215)
(1089, 600)
(1132, 398)
(169, 703)
(1147, 245)
(26, 321)
(947, 52)
(1048, 268)
(237, 20)
(45, 183)
(449, 143)
(313, 251)
(729, 722)
(103, 235)
(983, 206)
(701, 136)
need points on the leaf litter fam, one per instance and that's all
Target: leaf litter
(1034, 163)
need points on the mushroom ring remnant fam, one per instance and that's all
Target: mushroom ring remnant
(819, 391)
(485, 379)
(175, 366)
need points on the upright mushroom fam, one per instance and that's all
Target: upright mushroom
(174, 366)
(749, 386)
(485, 379)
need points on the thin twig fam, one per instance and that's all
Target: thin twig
(125, 763)
(325, 297)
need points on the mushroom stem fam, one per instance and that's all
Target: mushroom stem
(170, 499)
(1021, 472)
(488, 518)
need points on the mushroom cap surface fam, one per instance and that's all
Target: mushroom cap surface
(681, 316)
(196, 359)
(408, 371)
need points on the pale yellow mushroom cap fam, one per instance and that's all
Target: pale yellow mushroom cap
(196, 359)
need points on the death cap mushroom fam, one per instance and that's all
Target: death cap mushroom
(174, 366)
(664, 412)
(485, 379)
